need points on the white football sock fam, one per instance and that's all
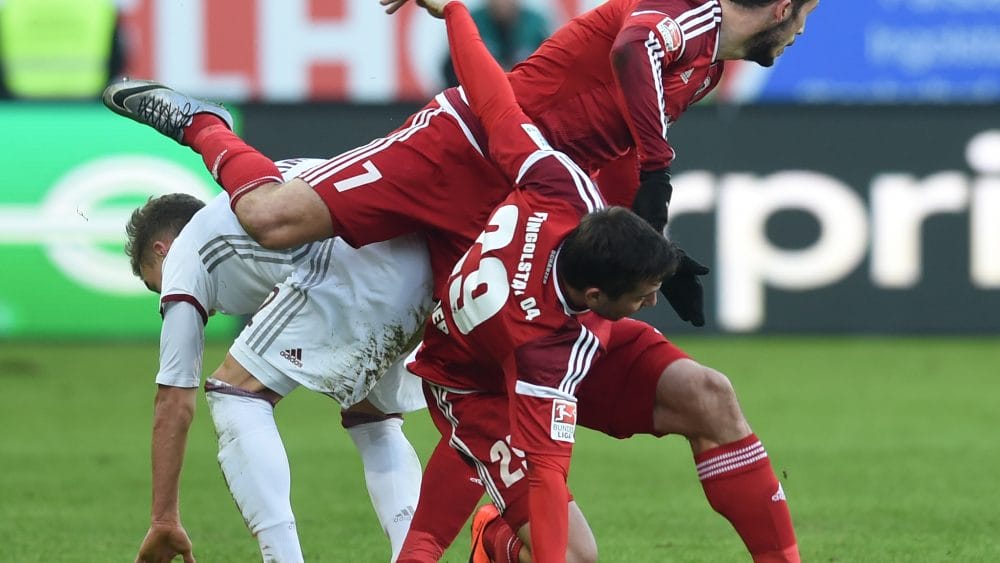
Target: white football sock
(255, 465)
(392, 473)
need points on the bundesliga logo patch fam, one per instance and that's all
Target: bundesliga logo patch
(563, 426)
(671, 34)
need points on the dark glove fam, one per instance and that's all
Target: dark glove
(653, 197)
(684, 291)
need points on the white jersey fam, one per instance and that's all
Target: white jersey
(347, 300)
(216, 266)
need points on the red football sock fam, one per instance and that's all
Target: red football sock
(501, 543)
(448, 495)
(741, 485)
(235, 165)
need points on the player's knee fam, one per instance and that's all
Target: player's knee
(264, 225)
(263, 216)
(582, 551)
(720, 407)
(350, 419)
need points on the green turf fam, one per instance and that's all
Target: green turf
(888, 450)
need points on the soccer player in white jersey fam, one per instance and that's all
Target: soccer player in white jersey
(329, 317)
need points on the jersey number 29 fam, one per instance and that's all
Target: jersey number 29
(478, 295)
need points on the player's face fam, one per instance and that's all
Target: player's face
(769, 44)
(151, 273)
(644, 295)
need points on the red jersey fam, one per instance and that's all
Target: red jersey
(501, 307)
(503, 323)
(613, 79)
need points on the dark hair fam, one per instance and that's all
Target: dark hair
(796, 4)
(163, 215)
(614, 250)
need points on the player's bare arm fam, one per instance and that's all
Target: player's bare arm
(173, 413)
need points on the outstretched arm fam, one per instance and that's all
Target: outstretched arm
(485, 82)
(166, 538)
(181, 343)
(487, 89)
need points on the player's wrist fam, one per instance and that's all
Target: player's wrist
(451, 6)
(166, 520)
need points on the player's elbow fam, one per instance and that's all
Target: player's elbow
(621, 56)
(174, 403)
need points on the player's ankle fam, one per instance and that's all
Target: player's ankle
(200, 123)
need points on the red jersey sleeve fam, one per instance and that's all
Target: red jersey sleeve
(647, 42)
(548, 507)
(618, 180)
(543, 416)
(489, 92)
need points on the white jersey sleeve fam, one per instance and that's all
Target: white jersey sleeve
(182, 341)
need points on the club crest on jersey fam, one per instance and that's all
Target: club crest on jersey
(563, 427)
(671, 34)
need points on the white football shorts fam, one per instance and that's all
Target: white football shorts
(340, 321)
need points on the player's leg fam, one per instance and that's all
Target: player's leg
(735, 470)
(239, 168)
(449, 492)
(646, 385)
(494, 541)
(252, 457)
(391, 186)
(476, 426)
(335, 326)
(392, 468)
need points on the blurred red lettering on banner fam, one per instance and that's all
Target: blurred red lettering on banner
(288, 50)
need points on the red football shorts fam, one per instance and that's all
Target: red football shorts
(428, 176)
(477, 425)
(618, 395)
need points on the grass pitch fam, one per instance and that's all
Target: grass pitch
(887, 449)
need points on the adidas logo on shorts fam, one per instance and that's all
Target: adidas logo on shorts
(293, 355)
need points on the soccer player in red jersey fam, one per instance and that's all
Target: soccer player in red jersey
(524, 313)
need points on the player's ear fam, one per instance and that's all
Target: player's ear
(782, 10)
(161, 247)
(592, 297)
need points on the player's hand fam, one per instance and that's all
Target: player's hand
(684, 291)
(392, 6)
(433, 7)
(163, 542)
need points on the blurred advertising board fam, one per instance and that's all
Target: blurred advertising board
(74, 173)
(349, 50)
(814, 219)
(885, 51)
(843, 219)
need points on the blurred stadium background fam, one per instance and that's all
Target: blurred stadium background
(847, 200)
